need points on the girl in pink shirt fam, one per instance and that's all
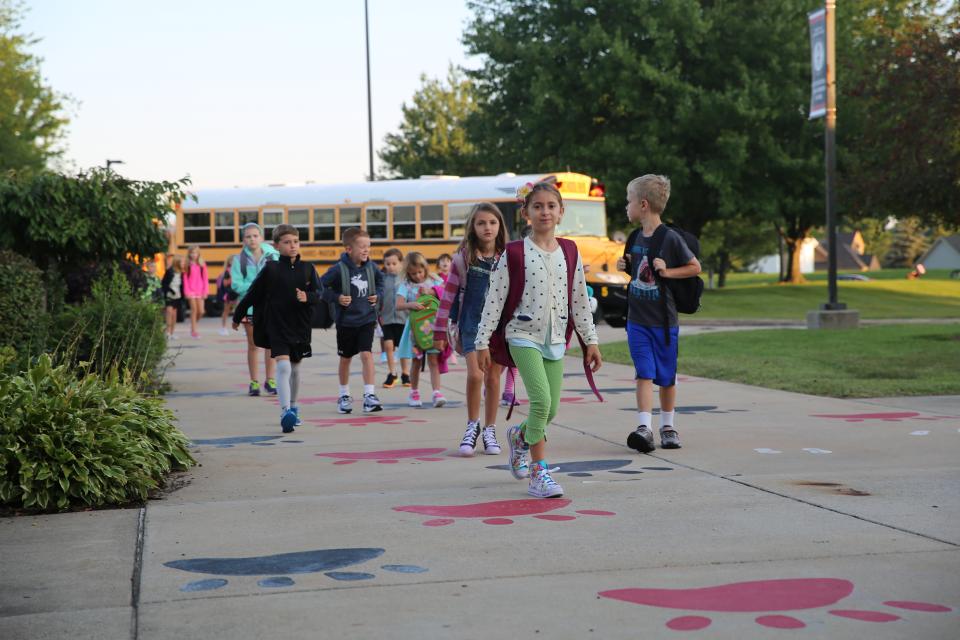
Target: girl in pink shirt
(196, 286)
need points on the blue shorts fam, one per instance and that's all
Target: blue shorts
(652, 358)
(468, 341)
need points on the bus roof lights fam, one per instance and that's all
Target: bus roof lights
(597, 189)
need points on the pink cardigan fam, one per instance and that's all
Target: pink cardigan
(196, 284)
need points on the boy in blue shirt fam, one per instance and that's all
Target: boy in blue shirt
(653, 252)
(356, 314)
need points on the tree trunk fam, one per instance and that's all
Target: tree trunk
(793, 274)
(722, 271)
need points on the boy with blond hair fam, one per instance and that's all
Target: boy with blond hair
(653, 253)
(355, 284)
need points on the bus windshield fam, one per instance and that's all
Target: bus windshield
(583, 218)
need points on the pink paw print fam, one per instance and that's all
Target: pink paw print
(498, 512)
(764, 596)
(387, 456)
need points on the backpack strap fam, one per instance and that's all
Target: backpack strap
(371, 278)
(656, 249)
(628, 247)
(516, 267)
(344, 279)
(571, 255)
(460, 264)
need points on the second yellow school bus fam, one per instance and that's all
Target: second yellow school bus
(425, 215)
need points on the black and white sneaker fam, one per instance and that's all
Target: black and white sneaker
(371, 403)
(490, 445)
(669, 439)
(345, 404)
(641, 439)
(468, 445)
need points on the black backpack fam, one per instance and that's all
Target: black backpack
(686, 291)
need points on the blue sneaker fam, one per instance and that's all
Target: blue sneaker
(288, 420)
(296, 412)
(271, 386)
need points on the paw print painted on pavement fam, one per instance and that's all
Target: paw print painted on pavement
(360, 420)
(325, 561)
(586, 468)
(498, 512)
(387, 456)
(889, 416)
(764, 596)
(694, 409)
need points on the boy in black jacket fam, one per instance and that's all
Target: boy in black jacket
(282, 297)
(356, 285)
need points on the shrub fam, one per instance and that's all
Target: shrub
(23, 317)
(90, 441)
(113, 330)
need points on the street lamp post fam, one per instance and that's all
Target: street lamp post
(113, 162)
(366, 25)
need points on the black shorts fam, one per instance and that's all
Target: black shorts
(393, 332)
(353, 340)
(173, 304)
(297, 351)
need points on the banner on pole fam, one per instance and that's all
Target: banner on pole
(818, 63)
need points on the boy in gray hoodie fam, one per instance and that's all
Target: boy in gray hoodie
(355, 284)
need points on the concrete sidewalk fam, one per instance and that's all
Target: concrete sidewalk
(833, 518)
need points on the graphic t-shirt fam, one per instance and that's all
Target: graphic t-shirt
(643, 294)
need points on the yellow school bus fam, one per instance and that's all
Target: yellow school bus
(425, 215)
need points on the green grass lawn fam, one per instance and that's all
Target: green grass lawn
(892, 360)
(888, 295)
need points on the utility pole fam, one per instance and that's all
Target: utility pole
(366, 24)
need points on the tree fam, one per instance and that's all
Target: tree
(902, 78)
(64, 222)
(713, 95)
(909, 242)
(433, 137)
(31, 118)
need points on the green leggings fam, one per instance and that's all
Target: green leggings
(543, 379)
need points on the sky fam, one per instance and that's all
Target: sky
(240, 92)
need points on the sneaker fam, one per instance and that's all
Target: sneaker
(194, 335)
(414, 399)
(371, 403)
(405, 379)
(223, 331)
(296, 412)
(254, 388)
(641, 439)
(438, 399)
(271, 386)
(490, 445)
(287, 420)
(469, 443)
(390, 382)
(542, 485)
(518, 453)
(345, 404)
(669, 438)
(506, 399)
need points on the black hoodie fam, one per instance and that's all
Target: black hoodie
(278, 316)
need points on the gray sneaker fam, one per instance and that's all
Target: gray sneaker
(641, 439)
(371, 403)
(669, 438)
(345, 404)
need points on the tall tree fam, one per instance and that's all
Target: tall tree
(433, 137)
(31, 113)
(900, 75)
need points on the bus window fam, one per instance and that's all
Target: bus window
(349, 217)
(270, 220)
(300, 218)
(196, 228)
(405, 222)
(324, 225)
(583, 218)
(512, 219)
(377, 222)
(249, 216)
(431, 221)
(224, 227)
(458, 217)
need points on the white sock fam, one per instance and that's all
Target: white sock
(369, 389)
(666, 418)
(294, 383)
(344, 390)
(644, 418)
(283, 383)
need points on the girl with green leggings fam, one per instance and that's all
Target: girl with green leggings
(536, 332)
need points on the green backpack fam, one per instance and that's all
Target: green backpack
(421, 321)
